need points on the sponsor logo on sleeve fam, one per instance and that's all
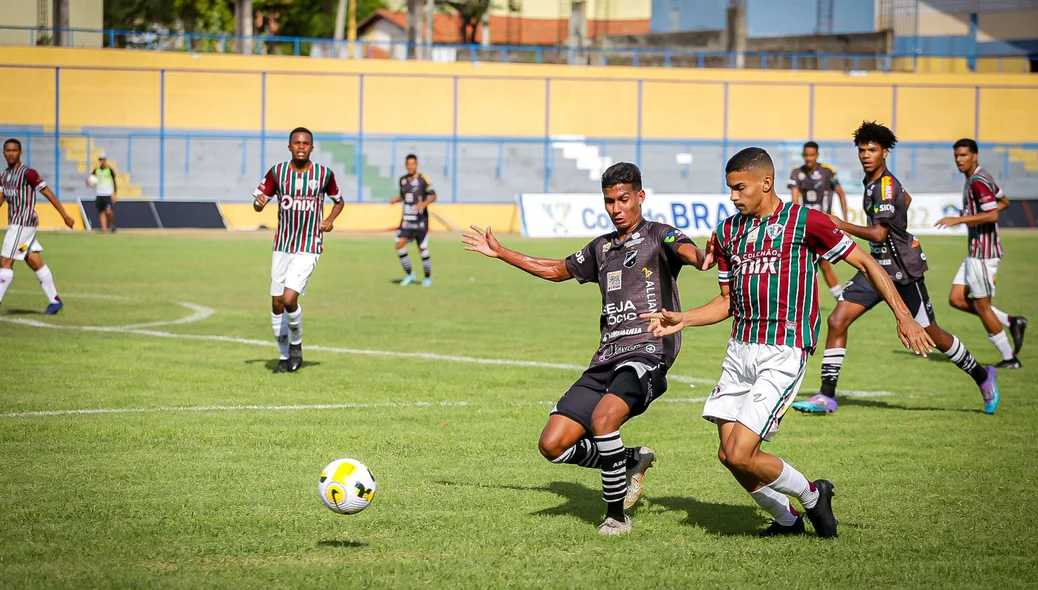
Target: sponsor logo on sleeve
(673, 235)
(579, 256)
(887, 188)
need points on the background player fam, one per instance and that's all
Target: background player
(106, 191)
(636, 269)
(298, 186)
(20, 184)
(812, 185)
(899, 253)
(417, 194)
(974, 283)
(766, 257)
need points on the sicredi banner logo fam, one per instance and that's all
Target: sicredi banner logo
(583, 215)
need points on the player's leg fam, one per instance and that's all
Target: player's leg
(610, 413)
(278, 321)
(857, 298)
(980, 280)
(46, 278)
(917, 300)
(962, 297)
(830, 278)
(8, 252)
(110, 213)
(779, 371)
(402, 237)
(638, 381)
(99, 204)
(423, 249)
(6, 275)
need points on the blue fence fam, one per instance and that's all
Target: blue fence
(160, 40)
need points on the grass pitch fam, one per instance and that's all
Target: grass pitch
(209, 476)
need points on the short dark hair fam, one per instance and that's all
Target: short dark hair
(411, 157)
(15, 142)
(811, 144)
(622, 173)
(967, 143)
(301, 130)
(873, 132)
(751, 158)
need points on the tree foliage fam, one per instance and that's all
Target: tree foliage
(471, 13)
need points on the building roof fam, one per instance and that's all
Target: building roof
(505, 30)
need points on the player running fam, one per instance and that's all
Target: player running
(898, 252)
(636, 269)
(766, 255)
(417, 194)
(298, 186)
(20, 184)
(974, 283)
(812, 185)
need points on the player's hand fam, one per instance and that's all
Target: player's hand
(70, 222)
(259, 202)
(710, 254)
(327, 225)
(947, 222)
(914, 337)
(664, 323)
(115, 199)
(483, 241)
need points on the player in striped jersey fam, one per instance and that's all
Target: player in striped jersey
(19, 185)
(974, 283)
(766, 262)
(298, 186)
(899, 253)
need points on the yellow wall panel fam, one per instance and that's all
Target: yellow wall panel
(365, 217)
(416, 106)
(26, 96)
(323, 104)
(109, 98)
(594, 108)
(50, 219)
(760, 111)
(212, 101)
(1008, 114)
(680, 111)
(839, 110)
(501, 107)
(935, 114)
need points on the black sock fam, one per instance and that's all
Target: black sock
(614, 476)
(832, 362)
(426, 264)
(584, 453)
(965, 361)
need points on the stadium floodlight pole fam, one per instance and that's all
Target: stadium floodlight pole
(351, 32)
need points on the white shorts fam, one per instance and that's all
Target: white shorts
(978, 274)
(291, 271)
(758, 384)
(19, 242)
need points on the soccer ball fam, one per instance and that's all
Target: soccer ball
(91, 180)
(346, 486)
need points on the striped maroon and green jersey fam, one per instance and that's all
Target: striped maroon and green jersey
(769, 265)
(20, 184)
(981, 194)
(300, 204)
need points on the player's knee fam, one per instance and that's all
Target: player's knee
(735, 458)
(550, 447)
(958, 300)
(837, 323)
(424, 252)
(722, 456)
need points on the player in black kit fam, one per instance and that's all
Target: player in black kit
(636, 269)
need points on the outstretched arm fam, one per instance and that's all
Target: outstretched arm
(57, 205)
(484, 242)
(702, 259)
(912, 335)
(876, 233)
(665, 323)
(843, 199)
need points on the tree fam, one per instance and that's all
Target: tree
(471, 13)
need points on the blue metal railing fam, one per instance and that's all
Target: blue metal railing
(161, 40)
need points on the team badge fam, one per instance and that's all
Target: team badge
(774, 230)
(629, 258)
(816, 175)
(613, 281)
(312, 184)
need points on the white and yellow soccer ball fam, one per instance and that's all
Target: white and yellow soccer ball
(347, 486)
(91, 180)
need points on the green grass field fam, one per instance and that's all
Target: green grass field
(930, 491)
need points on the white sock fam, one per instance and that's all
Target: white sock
(1003, 317)
(277, 323)
(775, 504)
(295, 325)
(793, 483)
(836, 291)
(47, 282)
(6, 276)
(1001, 342)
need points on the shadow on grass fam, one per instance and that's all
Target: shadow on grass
(338, 543)
(935, 356)
(271, 363)
(879, 405)
(586, 504)
(22, 312)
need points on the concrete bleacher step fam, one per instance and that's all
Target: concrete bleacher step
(343, 156)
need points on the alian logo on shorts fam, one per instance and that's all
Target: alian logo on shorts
(651, 348)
